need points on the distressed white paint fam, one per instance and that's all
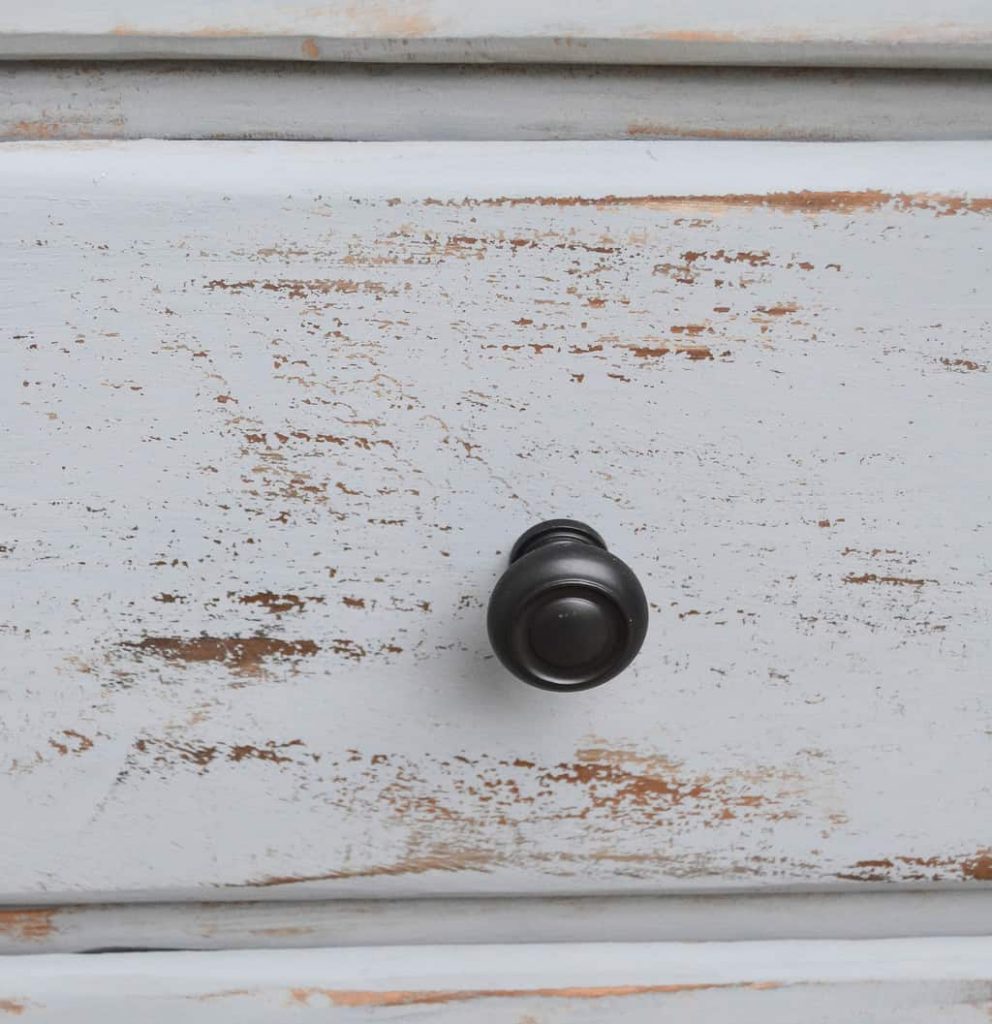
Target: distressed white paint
(353, 374)
(280, 100)
(919, 981)
(284, 924)
(851, 32)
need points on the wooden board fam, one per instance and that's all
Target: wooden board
(274, 414)
(286, 924)
(344, 102)
(921, 981)
(958, 33)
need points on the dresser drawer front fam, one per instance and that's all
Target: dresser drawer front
(276, 413)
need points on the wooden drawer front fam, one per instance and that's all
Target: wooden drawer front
(276, 413)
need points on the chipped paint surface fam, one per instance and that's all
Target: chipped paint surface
(240, 654)
(579, 31)
(914, 981)
(357, 998)
(280, 417)
(974, 868)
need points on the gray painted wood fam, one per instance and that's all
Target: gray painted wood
(275, 924)
(909, 981)
(958, 33)
(274, 414)
(279, 100)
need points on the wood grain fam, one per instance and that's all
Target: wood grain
(275, 413)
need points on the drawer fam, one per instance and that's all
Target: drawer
(276, 414)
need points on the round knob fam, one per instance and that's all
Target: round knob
(566, 614)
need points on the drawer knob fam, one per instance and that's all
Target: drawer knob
(566, 614)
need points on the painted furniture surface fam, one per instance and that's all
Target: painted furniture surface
(908, 981)
(874, 33)
(308, 312)
(275, 413)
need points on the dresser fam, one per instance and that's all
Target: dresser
(314, 320)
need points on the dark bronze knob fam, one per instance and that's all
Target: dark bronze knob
(566, 614)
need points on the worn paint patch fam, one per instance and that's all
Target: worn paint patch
(29, 925)
(278, 931)
(780, 309)
(642, 129)
(694, 353)
(451, 809)
(386, 19)
(691, 35)
(71, 741)
(166, 751)
(893, 581)
(805, 201)
(452, 860)
(204, 32)
(302, 289)
(34, 130)
(697, 352)
(357, 998)
(975, 867)
(275, 603)
(963, 364)
(243, 655)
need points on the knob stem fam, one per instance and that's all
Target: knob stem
(555, 531)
